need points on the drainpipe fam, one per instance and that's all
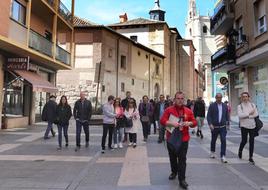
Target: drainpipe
(117, 65)
(149, 74)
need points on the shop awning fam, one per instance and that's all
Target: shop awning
(39, 84)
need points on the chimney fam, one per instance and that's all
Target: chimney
(123, 18)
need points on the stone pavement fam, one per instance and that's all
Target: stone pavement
(29, 162)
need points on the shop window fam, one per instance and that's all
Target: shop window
(123, 64)
(18, 12)
(260, 73)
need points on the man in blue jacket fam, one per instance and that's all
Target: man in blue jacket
(218, 121)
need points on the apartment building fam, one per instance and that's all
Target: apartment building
(35, 42)
(109, 63)
(245, 54)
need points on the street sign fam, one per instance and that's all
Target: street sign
(18, 63)
(223, 80)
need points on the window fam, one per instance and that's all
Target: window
(190, 31)
(205, 29)
(239, 28)
(123, 64)
(134, 38)
(110, 53)
(157, 69)
(260, 16)
(133, 82)
(122, 87)
(139, 53)
(262, 24)
(48, 35)
(18, 12)
(103, 88)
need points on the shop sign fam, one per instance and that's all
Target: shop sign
(18, 63)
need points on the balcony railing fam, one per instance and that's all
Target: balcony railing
(65, 13)
(40, 43)
(51, 3)
(222, 19)
(63, 55)
(224, 56)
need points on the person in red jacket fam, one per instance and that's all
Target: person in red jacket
(178, 161)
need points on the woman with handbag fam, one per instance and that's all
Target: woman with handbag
(247, 112)
(119, 124)
(146, 111)
(63, 115)
(133, 122)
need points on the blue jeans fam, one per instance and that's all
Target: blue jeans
(214, 135)
(65, 133)
(118, 134)
(79, 126)
(49, 128)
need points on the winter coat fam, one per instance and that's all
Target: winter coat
(64, 113)
(82, 112)
(49, 111)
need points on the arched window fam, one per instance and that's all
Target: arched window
(190, 31)
(205, 29)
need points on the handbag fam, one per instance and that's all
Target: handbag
(145, 118)
(129, 123)
(259, 125)
(175, 140)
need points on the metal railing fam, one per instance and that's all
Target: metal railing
(40, 43)
(65, 13)
(63, 55)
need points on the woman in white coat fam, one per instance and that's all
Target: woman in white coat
(131, 112)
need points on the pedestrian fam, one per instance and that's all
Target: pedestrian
(145, 111)
(189, 104)
(109, 117)
(168, 100)
(218, 122)
(178, 160)
(199, 114)
(161, 106)
(82, 114)
(247, 112)
(49, 115)
(119, 124)
(124, 104)
(63, 115)
(132, 114)
(153, 116)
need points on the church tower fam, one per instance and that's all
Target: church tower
(157, 13)
(192, 10)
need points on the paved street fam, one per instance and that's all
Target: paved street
(29, 162)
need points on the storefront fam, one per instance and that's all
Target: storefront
(26, 88)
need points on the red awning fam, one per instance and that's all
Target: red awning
(39, 84)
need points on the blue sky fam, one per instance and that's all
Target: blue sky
(107, 11)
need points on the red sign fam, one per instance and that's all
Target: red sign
(18, 63)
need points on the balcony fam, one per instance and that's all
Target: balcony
(51, 3)
(223, 59)
(63, 56)
(222, 20)
(65, 13)
(40, 43)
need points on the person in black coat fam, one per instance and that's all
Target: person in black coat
(49, 115)
(64, 113)
(82, 114)
(199, 114)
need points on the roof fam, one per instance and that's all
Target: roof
(138, 21)
(82, 22)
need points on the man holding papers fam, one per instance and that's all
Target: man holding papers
(180, 117)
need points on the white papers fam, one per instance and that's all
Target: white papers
(173, 119)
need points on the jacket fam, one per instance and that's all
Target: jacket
(108, 113)
(199, 109)
(82, 112)
(188, 116)
(157, 111)
(246, 120)
(64, 113)
(212, 115)
(49, 111)
(148, 111)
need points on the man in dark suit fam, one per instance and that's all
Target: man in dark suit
(218, 121)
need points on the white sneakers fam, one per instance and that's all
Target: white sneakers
(212, 155)
(223, 159)
(115, 146)
(130, 144)
(120, 145)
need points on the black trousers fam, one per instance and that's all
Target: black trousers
(178, 162)
(145, 129)
(133, 137)
(106, 128)
(244, 134)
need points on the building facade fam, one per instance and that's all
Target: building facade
(108, 63)
(244, 56)
(32, 49)
(198, 30)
